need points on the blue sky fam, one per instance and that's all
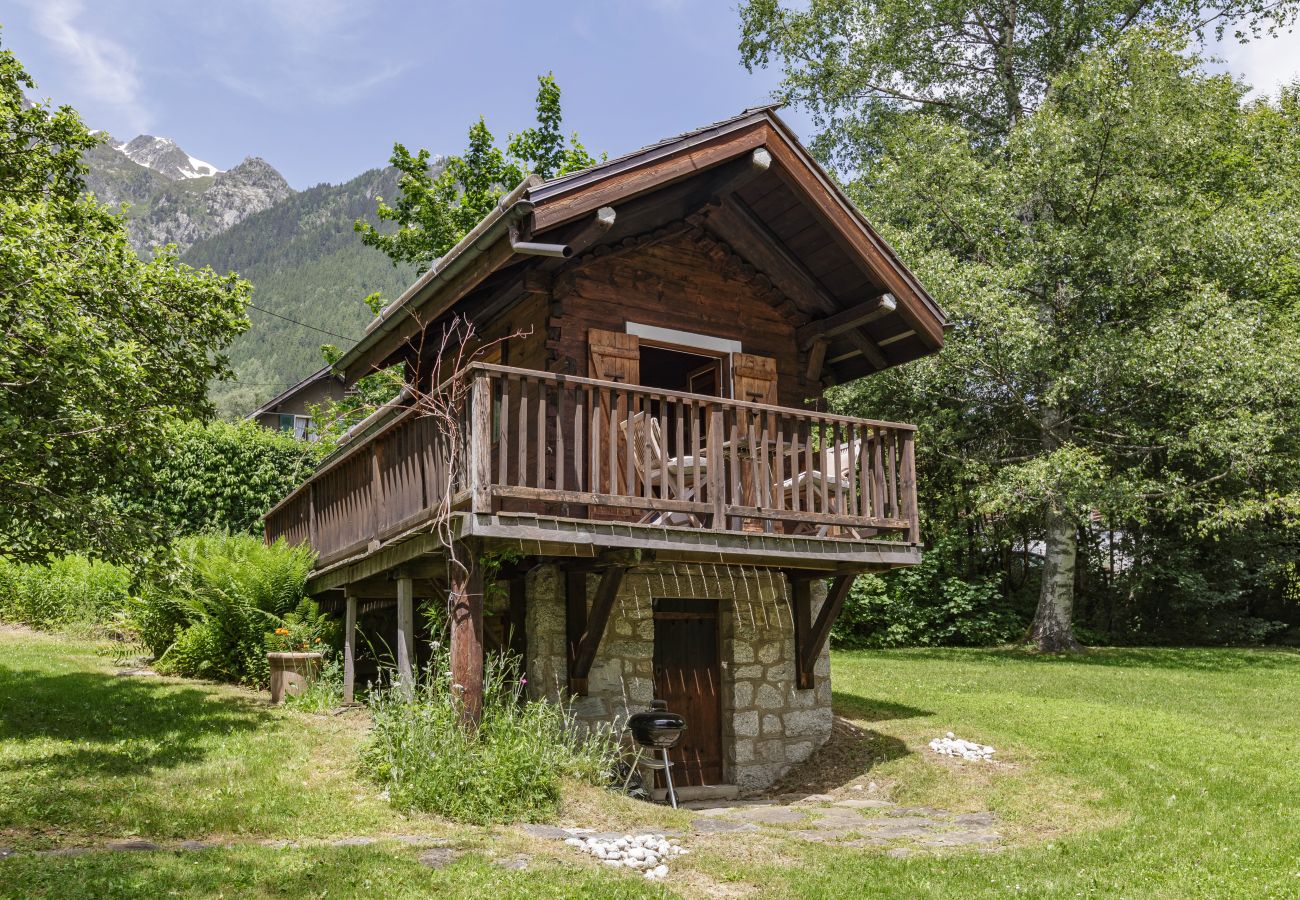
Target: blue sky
(322, 88)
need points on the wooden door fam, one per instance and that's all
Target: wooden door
(688, 679)
(753, 378)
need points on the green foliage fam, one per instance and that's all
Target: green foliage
(437, 208)
(928, 605)
(862, 66)
(221, 477)
(1118, 262)
(98, 349)
(69, 591)
(205, 612)
(304, 629)
(509, 769)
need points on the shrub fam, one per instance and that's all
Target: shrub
(927, 605)
(69, 591)
(220, 476)
(509, 769)
(207, 611)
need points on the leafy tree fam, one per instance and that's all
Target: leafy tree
(982, 64)
(1122, 349)
(98, 349)
(873, 72)
(436, 210)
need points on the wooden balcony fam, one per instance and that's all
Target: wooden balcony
(558, 461)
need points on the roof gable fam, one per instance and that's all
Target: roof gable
(748, 183)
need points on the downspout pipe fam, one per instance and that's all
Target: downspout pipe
(532, 248)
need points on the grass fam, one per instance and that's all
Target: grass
(1137, 773)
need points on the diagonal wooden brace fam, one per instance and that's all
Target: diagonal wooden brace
(810, 636)
(584, 638)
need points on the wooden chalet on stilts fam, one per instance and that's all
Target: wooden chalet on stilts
(643, 438)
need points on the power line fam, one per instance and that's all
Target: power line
(303, 324)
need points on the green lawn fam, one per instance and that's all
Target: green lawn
(1168, 773)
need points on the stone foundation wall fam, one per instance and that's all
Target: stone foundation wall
(767, 723)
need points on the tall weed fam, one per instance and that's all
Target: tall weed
(508, 769)
(67, 592)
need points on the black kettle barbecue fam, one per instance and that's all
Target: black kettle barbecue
(659, 729)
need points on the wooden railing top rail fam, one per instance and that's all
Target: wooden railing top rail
(660, 394)
(401, 414)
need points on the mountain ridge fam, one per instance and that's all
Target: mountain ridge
(308, 267)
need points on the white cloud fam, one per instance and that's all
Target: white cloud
(1266, 62)
(318, 53)
(106, 70)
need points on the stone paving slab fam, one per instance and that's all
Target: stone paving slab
(132, 845)
(438, 857)
(864, 804)
(721, 826)
(962, 838)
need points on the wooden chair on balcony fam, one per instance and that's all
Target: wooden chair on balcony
(835, 474)
(642, 434)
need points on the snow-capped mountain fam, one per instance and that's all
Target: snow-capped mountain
(174, 198)
(163, 155)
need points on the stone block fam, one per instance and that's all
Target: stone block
(772, 751)
(783, 671)
(757, 776)
(742, 751)
(768, 697)
(823, 665)
(747, 672)
(798, 751)
(591, 708)
(745, 724)
(742, 652)
(741, 694)
(769, 652)
(807, 721)
(772, 725)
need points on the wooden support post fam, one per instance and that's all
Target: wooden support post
(801, 612)
(518, 641)
(466, 606)
(907, 488)
(406, 633)
(716, 470)
(349, 648)
(480, 443)
(575, 621)
(585, 653)
(821, 629)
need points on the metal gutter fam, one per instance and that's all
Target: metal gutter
(509, 210)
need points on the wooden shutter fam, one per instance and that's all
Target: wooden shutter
(753, 378)
(614, 356)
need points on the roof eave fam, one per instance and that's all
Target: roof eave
(509, 210)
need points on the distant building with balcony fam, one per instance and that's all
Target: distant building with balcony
(291, 410)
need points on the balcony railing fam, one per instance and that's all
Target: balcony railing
(555, 445)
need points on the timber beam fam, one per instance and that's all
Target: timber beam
(847, 320)
(585, 640)
(810, 636)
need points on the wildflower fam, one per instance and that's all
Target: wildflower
(523, 680)
(282, 631)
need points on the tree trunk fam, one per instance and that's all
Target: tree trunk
(1053, 628)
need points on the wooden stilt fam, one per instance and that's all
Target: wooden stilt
(801, 610)
(349, 649)
(466, 608)
(406, 633)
